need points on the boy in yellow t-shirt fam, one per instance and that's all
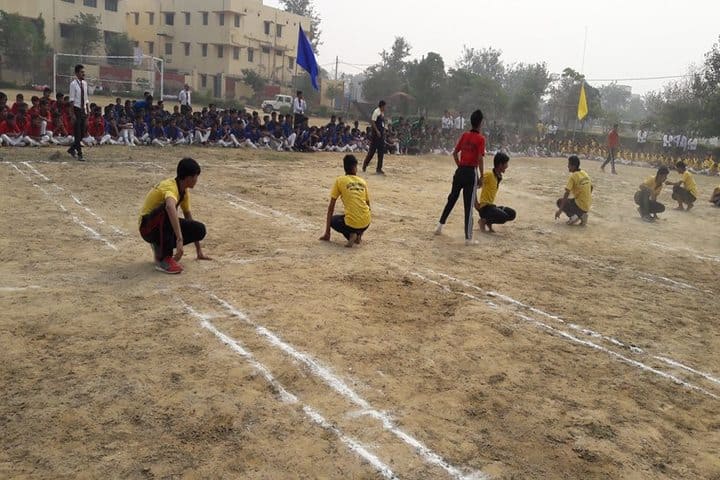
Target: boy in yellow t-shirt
(580, 185)
(687, 193)
(646, 196)
(353, 191)
(489, 212)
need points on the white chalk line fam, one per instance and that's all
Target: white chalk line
(289, 398)
(74, 197)
(19, 289)
(337, 384)
(301, 224)
(95, 235)
(695, 253)
(571, 337)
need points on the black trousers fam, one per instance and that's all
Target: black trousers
(571, 208)
(377, 145)
(156, 229)
(185, 109)
(338, 224)
(494, 215)
(610, 158)
(465, 180)
(298, 120)
(682, 195)
(646, 204)
(78, 130)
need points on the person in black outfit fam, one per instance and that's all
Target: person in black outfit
(79, 101)
(378, 138)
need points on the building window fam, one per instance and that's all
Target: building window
(135, 43)
(278, 53)
(69, 1)
(137, 18)
(237, 21)
(221, 19)
(278, 30)
(266, 49)
(236, 53)
(169, 18)
(251, 54)
(291, 62)
(151, 47)
(267, 28)
(203, 48)
(220, 51)
(90, 3)
(111, 5)
(186, 47)
(203, 80)
(187, 18)
(151, 18)
(205, 17)
(168, 49)
(65, 30)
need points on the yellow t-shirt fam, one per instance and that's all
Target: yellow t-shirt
(689, 183)
(650, 184)
(354, 193)
(160, 192)
(489, 190)
(580, 185)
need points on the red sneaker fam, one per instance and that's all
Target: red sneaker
(168, 265)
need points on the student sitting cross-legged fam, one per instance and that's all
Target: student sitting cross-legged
(353, 191)
(489, 212)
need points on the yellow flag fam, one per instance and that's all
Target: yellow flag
(582, 104)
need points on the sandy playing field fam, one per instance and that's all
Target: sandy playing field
(547, 351)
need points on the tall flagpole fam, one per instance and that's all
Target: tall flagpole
(582, 72)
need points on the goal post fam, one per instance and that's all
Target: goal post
(120, 76)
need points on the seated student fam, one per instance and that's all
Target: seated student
(60, 135)
(226, 138)
(159, 222)
(127, 131)
(715, 197)
(353, 191)
(10, 132)
(687, 193)
(173, 133)
(157, 133)
(489, 212)
(646, 197)
(580, 185)
(141, 130)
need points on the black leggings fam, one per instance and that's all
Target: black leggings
(683, 195)
(465, 179)
(571, 208)
(157, 230)
(646, 204)
(494, 215)
(377, 145)
(338, 224)
(78, 130)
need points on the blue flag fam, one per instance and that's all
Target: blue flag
(306, 57)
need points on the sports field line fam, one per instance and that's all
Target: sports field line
(289, 398)
(325, 374)
(695, 253)
(19, 289)
(94, 234)
(573, 338)
(74, 198)
(586, 331)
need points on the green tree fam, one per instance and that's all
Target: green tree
(306, 9)
(485, 62)
(615, 101)
(119, 45)
(23, 45)
(426, 81)
(526, 85)
(468, 91)
(565, 94)
(390, 75)
(254, 80)
(85, 35)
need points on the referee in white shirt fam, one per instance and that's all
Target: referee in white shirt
(299, 106)
(79, 100)
(184, 98)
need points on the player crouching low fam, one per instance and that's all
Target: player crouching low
(490, 213)
(580, 185)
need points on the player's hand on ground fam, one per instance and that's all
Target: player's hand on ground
(325, 238)
(202, 256)
(178, 251)
(557, 214)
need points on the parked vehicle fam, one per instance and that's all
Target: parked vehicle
(278, 102)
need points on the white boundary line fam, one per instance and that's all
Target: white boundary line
(343, 389)
(572, 338)
(74, 197)
(302, 224)
(75, 219)
(695, 253)
(19, 289)
(289, 398)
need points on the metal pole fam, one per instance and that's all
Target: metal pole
(54, 72)
(162, 78)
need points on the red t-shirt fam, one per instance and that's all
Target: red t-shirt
(471, 147)
(96, 126)
(5, 128)
(34, 128)
(23, 123)
(67, 122)
(613, 139)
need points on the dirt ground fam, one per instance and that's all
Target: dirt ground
(544, 352)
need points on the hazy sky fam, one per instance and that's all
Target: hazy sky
(626, 39)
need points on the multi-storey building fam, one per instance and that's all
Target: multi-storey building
(211, 42)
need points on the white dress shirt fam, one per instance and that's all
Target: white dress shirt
(184, 97)
(299, 106)
(75, 94)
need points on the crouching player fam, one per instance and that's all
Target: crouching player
(490, 213)
(580, 185)
(160, 225)
(353, 191)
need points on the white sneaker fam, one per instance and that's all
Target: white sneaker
(470, 241)
(438, 229)
(573, 220)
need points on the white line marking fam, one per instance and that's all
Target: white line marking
(673, 363)
(571, 337)
(19, 289)
(343, 389)
(302, 224)
(36, 172)
(75, 219)
(245, 261)
(289, 398)
(695, 253)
